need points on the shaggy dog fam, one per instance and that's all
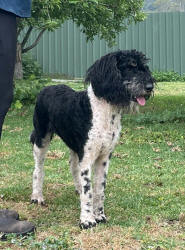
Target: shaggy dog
(89, 122)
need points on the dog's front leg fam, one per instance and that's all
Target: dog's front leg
(87, 219)
(100, 174)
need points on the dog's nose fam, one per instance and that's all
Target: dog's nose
(149, 87)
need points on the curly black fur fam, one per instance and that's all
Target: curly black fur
(63, 111)
(108, 74)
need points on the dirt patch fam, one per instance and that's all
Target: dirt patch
(169, 229)
(110, 238)
(4, 154)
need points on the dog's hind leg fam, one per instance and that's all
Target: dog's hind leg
(74, 161)
(39, 154)
(100, 174)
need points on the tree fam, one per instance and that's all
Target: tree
(105, 18)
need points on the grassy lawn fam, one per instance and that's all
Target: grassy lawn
(145, 195)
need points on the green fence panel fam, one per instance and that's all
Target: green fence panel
(161, 37)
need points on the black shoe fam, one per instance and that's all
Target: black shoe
(9, 225)
(5, 213)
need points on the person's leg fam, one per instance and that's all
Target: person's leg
(7, 61)
(9, 219)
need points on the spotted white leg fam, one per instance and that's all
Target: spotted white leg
(87, 219)
(39, 154)
(74, 161)
(100, 174)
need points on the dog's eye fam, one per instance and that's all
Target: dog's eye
(133, 63)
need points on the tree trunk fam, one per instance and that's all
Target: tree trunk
(18, 74)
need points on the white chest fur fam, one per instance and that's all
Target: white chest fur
(106, 126)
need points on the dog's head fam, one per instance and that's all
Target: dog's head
(120, 77)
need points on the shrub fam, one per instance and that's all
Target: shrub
(30, 67)
(169, 76)
(26, 91)
(154, 118)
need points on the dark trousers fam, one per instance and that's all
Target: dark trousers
(7, 61)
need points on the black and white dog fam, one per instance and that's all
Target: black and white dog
(89, 122)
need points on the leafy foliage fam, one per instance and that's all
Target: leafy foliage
(169, 76)
(103, 17)
(166, 116)
(30, 67)
(26, 91)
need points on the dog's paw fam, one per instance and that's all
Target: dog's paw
(87, 224)
(101, 219)
(37, 199)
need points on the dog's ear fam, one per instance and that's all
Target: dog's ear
(102, 70)
(106, 78)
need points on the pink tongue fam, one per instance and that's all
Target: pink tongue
(141, 101)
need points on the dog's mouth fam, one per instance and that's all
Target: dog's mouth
(141, 100)
(139, 92)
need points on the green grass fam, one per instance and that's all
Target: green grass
(145, 195)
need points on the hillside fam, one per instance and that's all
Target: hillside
(164, 5)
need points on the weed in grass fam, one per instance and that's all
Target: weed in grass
(63, 241)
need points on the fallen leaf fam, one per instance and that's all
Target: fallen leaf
(177, 148)
(170, 144)
(121, 156)
(182, 218)
(121, 142)
(55, 155)
(156, 165)
(4, 154)
(158, 158)
(117, 176)
(16, 130)
(157, 150)
(138, 128)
